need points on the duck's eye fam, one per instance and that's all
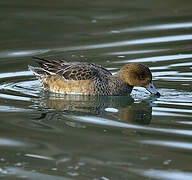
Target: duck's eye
(142, 76)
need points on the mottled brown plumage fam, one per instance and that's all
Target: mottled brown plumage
(90, 79)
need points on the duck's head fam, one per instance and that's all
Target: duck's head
(136, 74)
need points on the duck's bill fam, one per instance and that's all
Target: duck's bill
(151, 88)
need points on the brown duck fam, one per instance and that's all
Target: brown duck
(91, 79)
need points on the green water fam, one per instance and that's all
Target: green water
(50, 136)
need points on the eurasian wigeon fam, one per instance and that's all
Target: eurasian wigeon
(91, 79)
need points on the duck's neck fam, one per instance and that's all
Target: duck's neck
(117, 86)
(119, 75)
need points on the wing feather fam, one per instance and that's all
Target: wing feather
(73, 70)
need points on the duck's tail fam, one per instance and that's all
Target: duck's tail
(41, 61)
(37, 71)
(43, 70)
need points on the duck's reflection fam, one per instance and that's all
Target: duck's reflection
(138, 113)
(84, 104)
(118, 108)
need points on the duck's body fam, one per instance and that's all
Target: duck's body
(89, 79)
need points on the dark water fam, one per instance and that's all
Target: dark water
(50, 136)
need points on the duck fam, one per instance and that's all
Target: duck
(83, 78)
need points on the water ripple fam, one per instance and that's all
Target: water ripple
(164, 174)
(108, 122)
(158, 27)
(39, 156)
(136, 52)
(127, 43)
(22, 53)
(15, 74)
(14, 143)
(172, 144)
(33, 174)
(159, 58)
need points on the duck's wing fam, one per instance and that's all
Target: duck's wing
(70, 70)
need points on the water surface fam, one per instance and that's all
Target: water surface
(50, 136)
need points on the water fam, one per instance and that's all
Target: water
(50, 136)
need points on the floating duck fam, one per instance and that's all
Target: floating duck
(91, 79)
